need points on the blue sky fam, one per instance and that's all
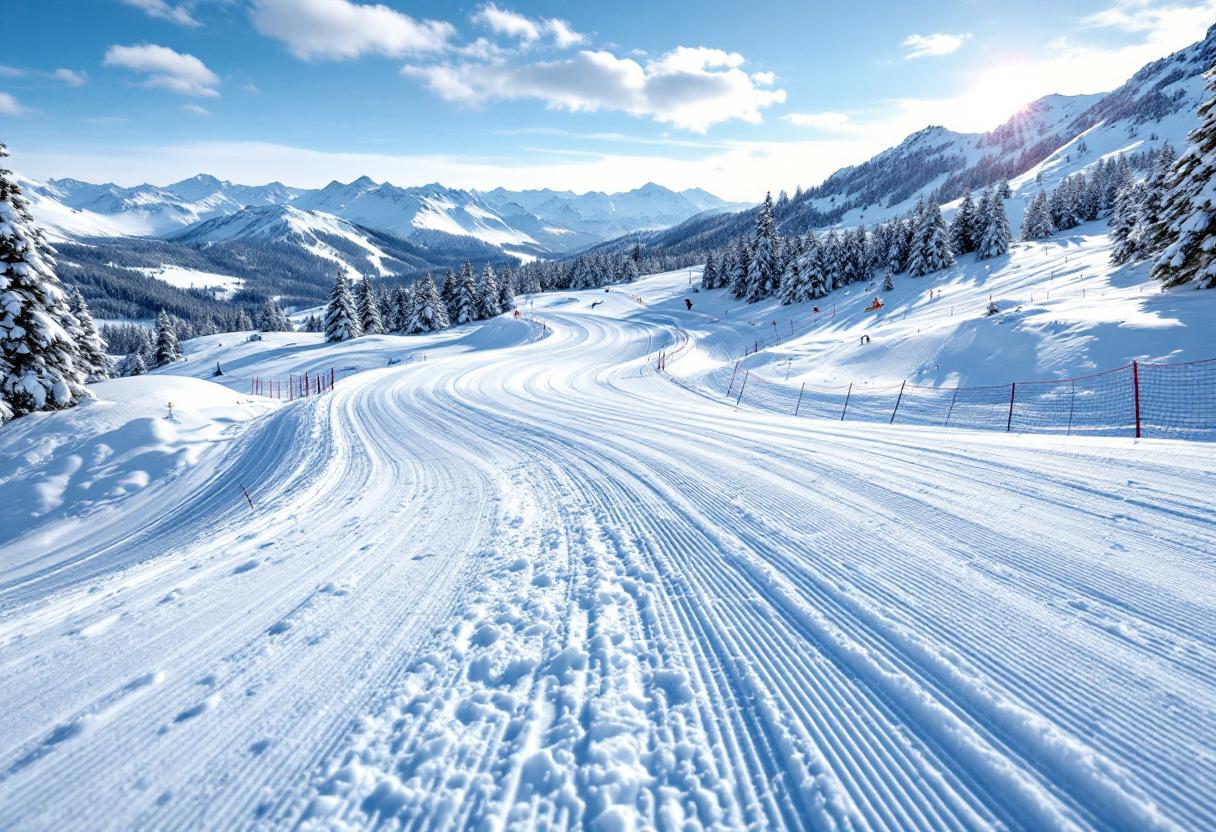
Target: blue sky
(733, 97)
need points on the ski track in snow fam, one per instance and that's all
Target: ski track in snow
(537, 588)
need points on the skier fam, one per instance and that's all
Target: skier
(517, 314)
(688, 303)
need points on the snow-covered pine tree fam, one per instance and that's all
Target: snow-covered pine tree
(994, 240)
(242, 322)
(1003, 190)
(40, 365)
(762, 270)
(403, 312)
(94, 356)
(709, 275)
(341, 317)
(167, 349)
(1124, 221)
(810, 267)
(368, 308)
(271, 318)
(450, 291)
(429, 314)
(740, 266)
(792, 287)
(962, 229)
(1036, 222)
(466, 296)
(1151, 204)
(487, 294)
(133, 364)
(631, 270)
(888, 284)
(506, 289)
(1185, 232)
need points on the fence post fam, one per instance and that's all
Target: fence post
(800, 392)
(845, 409)
(732, 378)
(950, 412)
(742, 387)
(1013, 388)
(898, 399)
(1136, 388)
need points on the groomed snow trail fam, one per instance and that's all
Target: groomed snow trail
(541, 587)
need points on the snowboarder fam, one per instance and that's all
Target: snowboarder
(877, 304)
(688, 303)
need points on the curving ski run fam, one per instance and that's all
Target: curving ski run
(544, 587)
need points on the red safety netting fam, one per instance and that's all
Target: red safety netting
(1175, 400)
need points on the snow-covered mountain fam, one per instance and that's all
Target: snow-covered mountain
(642, 209)
(527, 223)
(322, 234)
(73, 208)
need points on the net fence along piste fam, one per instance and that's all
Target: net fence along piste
(1162, 400)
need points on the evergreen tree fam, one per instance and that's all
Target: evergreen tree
(466, 296)
(1036, 222)
(506, 289)
(792, 287)
(1187, 226)
(40, 364)
(242, 322)
(962, 229)
(709, 277)
(888, 284)
(762, 269)
(341, 317)
(167, 349)
(994, 239)
(403, 309)
(368, 308)
(487, 294)
(1124, 222)
(740, 266)
(94, 358)
(931, 240)
(429, 314)
(133, 364)
(274, 319)
(450, 291)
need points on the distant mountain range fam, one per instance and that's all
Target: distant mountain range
(530, 223)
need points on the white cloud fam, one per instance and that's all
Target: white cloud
(504, 22)
(174, 71)
(1160, 20)
(823, 121)
(71, 77)
(197, 110)
(11, 71)
(10, 106)
(163, 11)
(526, 30)
(563, 35)
(691, 88)
(339, 29)
(935, 45)
(764, 79)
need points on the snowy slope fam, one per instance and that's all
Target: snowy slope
(313, 230)
(527, 583)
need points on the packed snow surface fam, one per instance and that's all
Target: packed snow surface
(508, 577)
